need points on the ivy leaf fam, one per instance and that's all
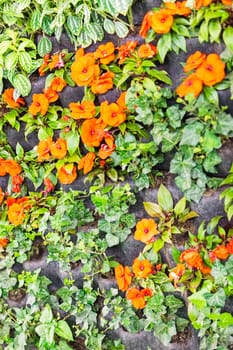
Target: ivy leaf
(211, 141)
(191, 134)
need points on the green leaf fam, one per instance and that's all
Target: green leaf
(72, 140)
(74, 24)
(35, 19)
(44, 46)
(25, 61)
(112, 174)
(165, 200)
(204, 32)
(211, 141)
(19, 150)
(160, 75)
(216, 299)
(11, 61)
(158, 245)
(63, 330)
(112, 240)
(109, 26)
(164, 45)
(153, 209)
(180, 206)
(211, 94)
(121, 29)
(176, 254)
(227, 38)
(4, 46)
(46, 314)
(191, 134)
(215, 29)
(22, 84)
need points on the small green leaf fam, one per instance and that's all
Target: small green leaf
(215, 29)
(25, 61)
(22, 84)
(109, 26)
(227, 38)
(44, 46)
(153, 209)
(158, 245)
(121, 29)
(165, 200)
(35, 19)
(63, 330)
(46, 314)
(180, 206)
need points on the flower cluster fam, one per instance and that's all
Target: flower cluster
(129, 281)
(11, 167)
(204, 70)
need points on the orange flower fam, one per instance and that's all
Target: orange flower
(17, 181)
(147, 51)
(145, 26)
(39, 104)
(43, 149)
(1, 195)
(121, 100)
(123, 277)
(193, 259)
(161, 21)
(51, 95)
(146, 229)
(57, 84)
(56, 61)
(67, 174)
(8, 98)
(212, 70)
(44, 67)
(112, 114)
(84, 110)
(12, 167)
(105, 53)
(3, 242)
(229, 246)
(84, 70)
(126, 50)
(142, 268)
(220, 252)
(191, 85)
(201, 3)
(86, 163)
(103, 83)
(49, 186)
(178, 8)
(16, 214)
(137, 296)
(194, 61)
(79, 53)
(176, 273)
(92, 132)
(58, 149)
(105, 151)
(227, 2)
(2, 167)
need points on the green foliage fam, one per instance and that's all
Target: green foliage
(112, 204)
(227, 194)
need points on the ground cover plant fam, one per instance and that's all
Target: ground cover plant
(115, 191)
